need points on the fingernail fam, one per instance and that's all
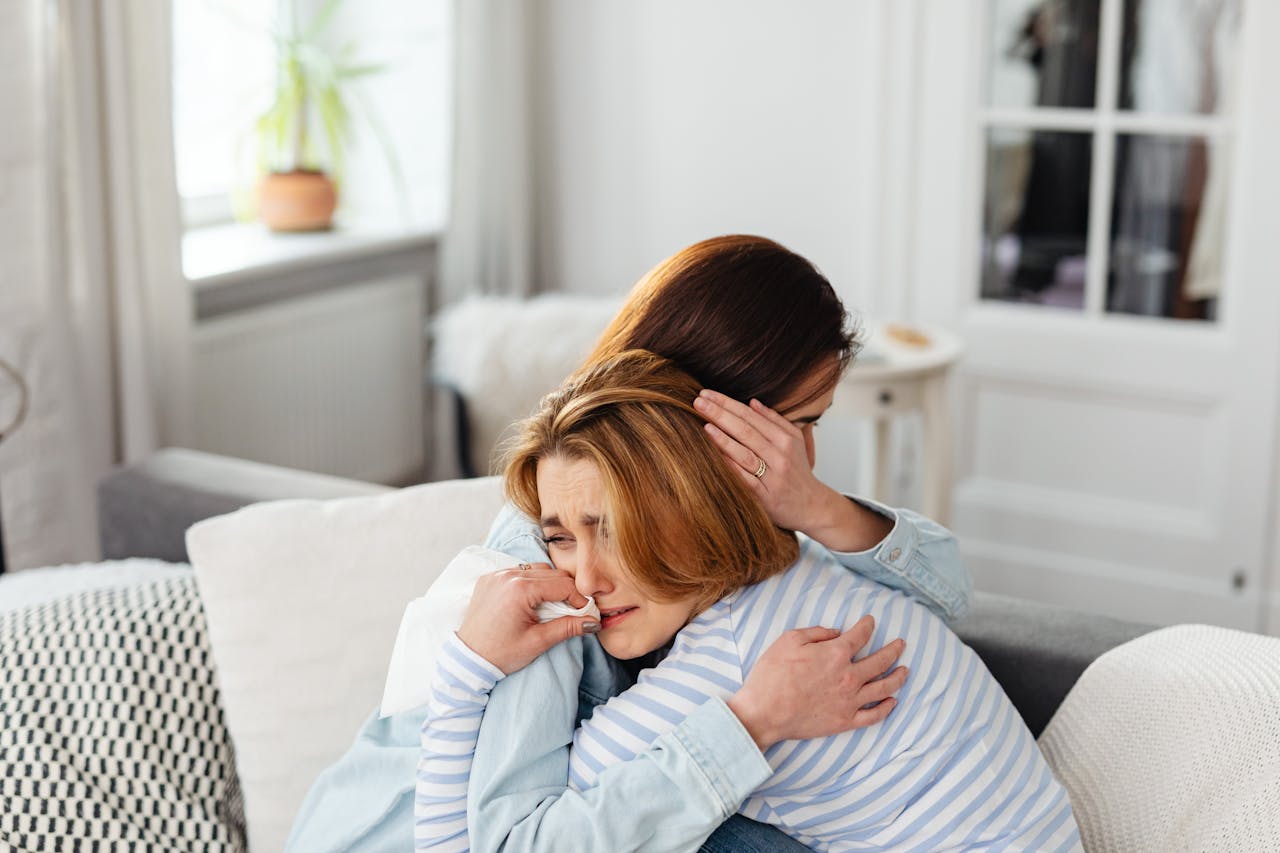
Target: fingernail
(699, 403)
(591, 627)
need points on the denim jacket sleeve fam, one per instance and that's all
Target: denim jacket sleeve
(919, 557)
(669, 798)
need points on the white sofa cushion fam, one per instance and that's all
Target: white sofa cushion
(302, 600)
(1172, 742)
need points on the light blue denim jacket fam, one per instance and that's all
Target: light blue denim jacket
(695, 777)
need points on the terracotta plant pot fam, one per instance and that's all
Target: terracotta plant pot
(297, 201)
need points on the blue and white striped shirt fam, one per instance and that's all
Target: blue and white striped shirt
(953, 767)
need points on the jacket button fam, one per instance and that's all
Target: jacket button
(895, 554)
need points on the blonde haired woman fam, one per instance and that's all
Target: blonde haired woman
(677, 552)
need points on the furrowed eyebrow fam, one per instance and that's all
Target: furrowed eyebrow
(554, 521)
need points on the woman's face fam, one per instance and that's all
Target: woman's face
(806, 416)
(573, 502)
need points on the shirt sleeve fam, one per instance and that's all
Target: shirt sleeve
(461, 689)
(919, 557)
(669, 797)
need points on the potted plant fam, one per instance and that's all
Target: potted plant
(302, 136)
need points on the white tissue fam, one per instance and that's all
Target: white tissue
(428, 621)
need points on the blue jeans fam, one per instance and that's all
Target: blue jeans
(743, 835)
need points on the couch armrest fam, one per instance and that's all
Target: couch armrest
(1037, 651)
(144, 510)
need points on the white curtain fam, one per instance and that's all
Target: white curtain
(95, 309)
(488, 245)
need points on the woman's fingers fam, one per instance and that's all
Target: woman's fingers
(543, 582)
(856, 638)
(552, 585)
(816, 634)
(501, 621)
(875, 714)
(770, 415)
(558, 630)
(748, 430)
(740, 422)
(745, 460)
(883, 688)
(879, 662)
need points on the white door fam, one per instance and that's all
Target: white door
(1097, 212)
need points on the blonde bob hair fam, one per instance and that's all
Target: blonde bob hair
(680, 522)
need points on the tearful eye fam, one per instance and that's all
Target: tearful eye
(559, 540)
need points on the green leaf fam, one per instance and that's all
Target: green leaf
(321, 20)
(350, 72)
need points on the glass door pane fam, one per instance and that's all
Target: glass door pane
(1177, 57)
(1168, 205)
(1043, 54)
(1036, 216)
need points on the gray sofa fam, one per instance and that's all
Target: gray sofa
(1037, 652)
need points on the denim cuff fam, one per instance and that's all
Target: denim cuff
(902, 561)
(720, 747)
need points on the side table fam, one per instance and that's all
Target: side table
(905, 369)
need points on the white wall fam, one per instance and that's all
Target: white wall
(662, 123)
(665, 122)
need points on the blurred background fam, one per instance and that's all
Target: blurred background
(1072, 205)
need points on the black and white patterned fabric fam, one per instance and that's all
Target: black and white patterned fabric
(111, 732)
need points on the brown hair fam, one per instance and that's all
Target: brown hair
(744, 315)
(681, 522)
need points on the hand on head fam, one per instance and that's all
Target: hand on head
(501, 623)
(807, 685)
(750, 434)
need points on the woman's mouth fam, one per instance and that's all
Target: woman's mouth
(613, 615)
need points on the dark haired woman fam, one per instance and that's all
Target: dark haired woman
(761, 325)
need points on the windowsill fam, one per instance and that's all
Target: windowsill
(238, 266)
(219, 254)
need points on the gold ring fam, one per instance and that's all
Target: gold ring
(760, 471)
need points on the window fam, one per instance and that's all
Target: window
(1106, 123)
(224, 75)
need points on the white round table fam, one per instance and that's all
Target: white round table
(901, 373)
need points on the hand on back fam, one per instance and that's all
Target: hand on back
(807, 685)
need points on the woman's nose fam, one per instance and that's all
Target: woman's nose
(592, 576)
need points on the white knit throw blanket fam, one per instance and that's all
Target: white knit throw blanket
(1171, 742)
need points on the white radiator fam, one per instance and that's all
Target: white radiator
(331, 382)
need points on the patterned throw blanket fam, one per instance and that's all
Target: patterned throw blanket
(111, 731)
